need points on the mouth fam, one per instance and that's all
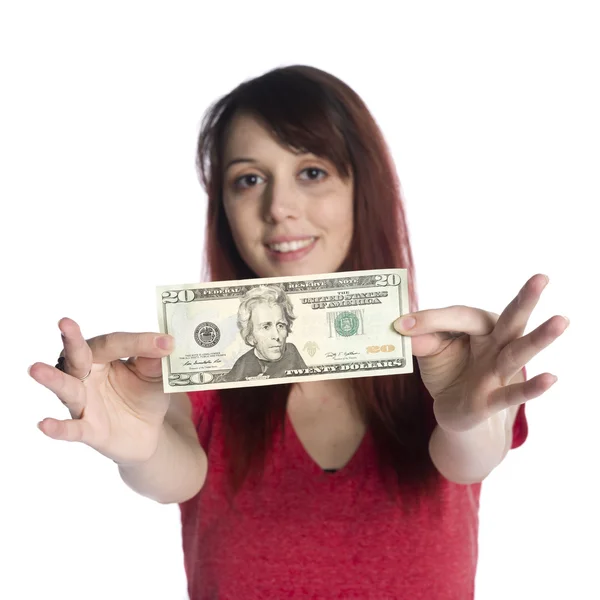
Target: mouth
(286, 250)
(291, 246)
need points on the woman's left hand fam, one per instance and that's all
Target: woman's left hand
(470, 359)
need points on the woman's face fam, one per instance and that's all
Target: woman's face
(290, 214)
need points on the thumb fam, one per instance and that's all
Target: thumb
(431, 344)
(150, 368)
(426, 345)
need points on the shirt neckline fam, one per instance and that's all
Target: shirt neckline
(311, 465)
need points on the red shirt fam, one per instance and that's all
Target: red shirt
(305, 533)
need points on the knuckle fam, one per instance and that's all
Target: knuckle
(145, 343)
(61, 389)
(462, 311)
(138, 341)
(458, 309)
(119, 345)
(97, 344)
(540, 338)
(103, 345)
(131, 344)
(519, 299)
(508, 356)
(491, 319)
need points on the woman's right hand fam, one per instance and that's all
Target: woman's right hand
(119, 409)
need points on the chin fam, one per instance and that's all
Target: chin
(297, 269)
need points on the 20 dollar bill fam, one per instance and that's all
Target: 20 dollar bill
(232, 334)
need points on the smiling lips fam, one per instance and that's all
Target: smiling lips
(285, 249)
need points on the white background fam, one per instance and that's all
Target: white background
(491, 112)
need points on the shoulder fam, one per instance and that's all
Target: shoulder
(247, 357)
(246, 361)
(293, 352)
(293, 356)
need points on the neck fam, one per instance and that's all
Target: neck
(323, 395)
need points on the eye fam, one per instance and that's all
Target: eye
(246, 181)
(314, 173)
(281, 326)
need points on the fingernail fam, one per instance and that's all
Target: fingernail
(164, 342)
(29, 369)
(404, 324)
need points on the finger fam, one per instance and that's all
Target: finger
(114, 346)
(464, 319)
(68, 431)
(147, 368)
(428, 345)
(515, 355)
(78, 356)
(514, 318)
(518, 393)
(68, 390)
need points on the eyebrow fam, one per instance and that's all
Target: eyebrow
(244, 159)
(271, 322)
(235, 161)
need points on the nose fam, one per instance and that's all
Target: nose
(282, 202)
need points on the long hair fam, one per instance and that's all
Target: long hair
(310, 110)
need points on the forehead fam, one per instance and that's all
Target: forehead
(246, 136)
(264, 312)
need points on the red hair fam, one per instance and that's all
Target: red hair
(312, 111)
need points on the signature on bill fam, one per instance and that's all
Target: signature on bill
(341, 355)
(197, 363)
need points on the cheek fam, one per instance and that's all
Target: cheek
(337, 218)
(242, 224)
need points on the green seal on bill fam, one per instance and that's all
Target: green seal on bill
(346, 324)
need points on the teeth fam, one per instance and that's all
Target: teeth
(291, 246)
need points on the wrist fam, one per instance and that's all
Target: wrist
(136, 462)
(453, 419)
(469, 456)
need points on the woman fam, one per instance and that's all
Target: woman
(360, 488)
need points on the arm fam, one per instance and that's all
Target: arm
(470, 456)
(177, 470)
